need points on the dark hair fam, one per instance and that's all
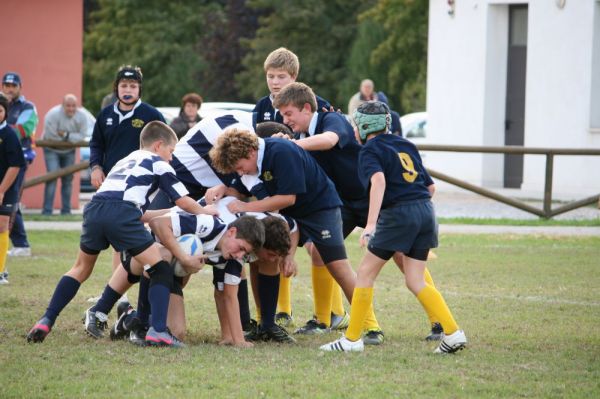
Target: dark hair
(156, 131)
(4, 104)
(193, 98)
(277, 235)
(267, 129)
(249, 229)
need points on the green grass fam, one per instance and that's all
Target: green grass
(458, 220)
(529, 306)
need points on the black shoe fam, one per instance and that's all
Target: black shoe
(123, 307)
(119, 331)
(40, 330)
(95, 323)
(137, 335)
(250, 327)
(437, 333)
(312, 327)
(373, 337)
(277, 334)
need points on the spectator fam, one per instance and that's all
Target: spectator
(188, 114)
(22, 116)
(64, 122)
(366, 93)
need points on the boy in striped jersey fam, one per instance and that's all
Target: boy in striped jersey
(115, 216)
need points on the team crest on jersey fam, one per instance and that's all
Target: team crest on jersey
(137, 123)
(267, 116)
(325, 234)
(267, 176)
(203, 229)
(109, 121)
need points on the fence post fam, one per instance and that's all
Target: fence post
(548, 185)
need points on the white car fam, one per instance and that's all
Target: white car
(414, 127)
(206, 109)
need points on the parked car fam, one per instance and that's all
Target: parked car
(207, 109)
(414, 126)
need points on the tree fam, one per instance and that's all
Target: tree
(158, 36)
(321, 34)
(403, 52)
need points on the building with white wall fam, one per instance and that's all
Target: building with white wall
(515, 72)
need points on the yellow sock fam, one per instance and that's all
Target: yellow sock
(337, 300)
(434, 303)
(428, 278)
(322, 286)
(370, 322)
(429, 281)
(3, 249)
(362, 300)
(257, 313)
(284, 300)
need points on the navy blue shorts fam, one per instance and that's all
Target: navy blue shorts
(355, 213)
(406, 227)
(8, 208)
(231, 274)
(115, 223)
(324, 230)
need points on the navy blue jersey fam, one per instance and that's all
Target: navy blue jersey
(116, 135)
(405, 176)
(287, 169)
(340, 163)
(264, 111)
(11, 155)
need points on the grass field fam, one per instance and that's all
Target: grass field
(529, 305)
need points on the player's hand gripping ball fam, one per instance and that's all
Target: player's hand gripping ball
(191, 245)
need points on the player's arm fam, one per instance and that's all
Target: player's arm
(319, 142)
(97, 155)
(163, 228)
(231, 312)
(273, 203)
(375, 201)
(289, 266)
(215, 193)
(151, 214)
(190, 206)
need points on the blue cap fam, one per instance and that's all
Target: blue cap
(12, 78)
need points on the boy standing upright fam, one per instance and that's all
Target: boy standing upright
(281, 68)
(401, 220)
(115, 216)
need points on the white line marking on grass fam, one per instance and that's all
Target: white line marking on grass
(539, 299)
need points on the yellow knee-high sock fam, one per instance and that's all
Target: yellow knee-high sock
(322, 286)
(434, 303)
(284, 300)
(3, 249)
(362, 301)
(337, 300)
(429, 281)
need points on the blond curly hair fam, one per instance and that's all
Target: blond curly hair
(233, 145)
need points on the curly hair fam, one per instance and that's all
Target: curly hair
(233, 145)
(277, 235)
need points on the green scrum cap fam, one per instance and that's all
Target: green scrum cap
(371, 117)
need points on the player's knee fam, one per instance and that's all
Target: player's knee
(161, 273)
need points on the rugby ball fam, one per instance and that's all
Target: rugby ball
(191, 245)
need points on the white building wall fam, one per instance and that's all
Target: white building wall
(466, 90)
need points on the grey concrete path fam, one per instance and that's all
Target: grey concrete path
(449, 204)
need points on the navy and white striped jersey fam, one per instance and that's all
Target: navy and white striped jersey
(137, 178)
(208, 228)
(190, 159)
